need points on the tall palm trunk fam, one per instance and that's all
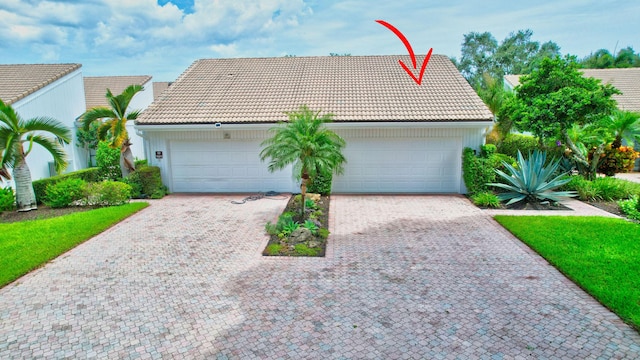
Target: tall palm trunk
(303, 189)
(126, 159)
(25, 196)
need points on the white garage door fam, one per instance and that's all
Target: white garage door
(224, 166)
(401, 165)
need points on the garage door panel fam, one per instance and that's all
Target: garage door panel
(401, 165)
(224, 166)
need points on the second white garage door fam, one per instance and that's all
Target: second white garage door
(224, 166)
(401, 165)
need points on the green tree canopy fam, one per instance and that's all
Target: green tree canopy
(603, 59)
(516, 54)
(555, 97)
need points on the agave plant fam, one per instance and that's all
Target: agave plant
(532, 181)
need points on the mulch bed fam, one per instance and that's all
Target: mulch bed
(608, 206)
(43, 212)
(323, 204)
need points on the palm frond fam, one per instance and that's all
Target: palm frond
(54, 148)
(50, 125)
(96, 114)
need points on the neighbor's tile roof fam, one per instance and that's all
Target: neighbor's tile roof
(159, 87)
(17, 81)
(353, 88)
(627, 80)
(95, 87)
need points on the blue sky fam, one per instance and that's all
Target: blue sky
(162, 38)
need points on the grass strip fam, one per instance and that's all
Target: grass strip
(27, 245)
(597, 253)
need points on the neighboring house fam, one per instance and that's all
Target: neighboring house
(52, 90)
(205, 130)
(95, 89)
(627, 80)
(159, 87)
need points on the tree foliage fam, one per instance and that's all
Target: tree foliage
(603, 59)
(306, 143)
(516, 54)
(556, 97)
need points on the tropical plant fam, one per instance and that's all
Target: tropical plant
(486, 199)
(555, 97)
(625, 125)
(311, 226)
(16, 134)
(532, 181)
(113, 124)
(306, 143)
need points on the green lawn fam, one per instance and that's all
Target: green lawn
(601, 255)
(27, 245)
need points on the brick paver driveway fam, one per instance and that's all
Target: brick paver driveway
(408, 277)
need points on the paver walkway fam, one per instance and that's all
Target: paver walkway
(407, 277)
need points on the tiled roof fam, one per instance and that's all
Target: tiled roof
(17, 81)
(96, 87)
(353, 88)
(159, 87)
(627, 80)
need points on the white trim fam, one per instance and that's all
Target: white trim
(336, 125)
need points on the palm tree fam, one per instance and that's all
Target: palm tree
(625, 126)
(306, 143)
(113, 124)
(15, 134)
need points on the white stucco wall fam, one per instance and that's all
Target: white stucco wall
(64, 101)
(159, 138)
(140, 101)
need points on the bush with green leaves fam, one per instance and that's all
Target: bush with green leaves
(516, 142)
(146, 182)
(602, 188)
(7, 199)
(486, 199)
(630, 207)
(108, 161)
(321, 184)
(108, 193)
(65, 193)
(477, 172)
(532, 181)
(40, 186)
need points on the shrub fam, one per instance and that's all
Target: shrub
(486, 199)
(487, 150)
(516, 142)
(7, 199)
(477, 172)
(304, 250)
(146, 182)
(323, 233)
(630, 207)
(140, 163)
(610, 189)
(133, 180)
(40, 186)
(532, 180)
(617, 160)
(108, 193)
(65, 192)
(273, 249)
(321, 184)
(108, 161)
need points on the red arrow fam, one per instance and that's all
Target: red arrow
(406, 43)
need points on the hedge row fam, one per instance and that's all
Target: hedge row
(88, 175)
